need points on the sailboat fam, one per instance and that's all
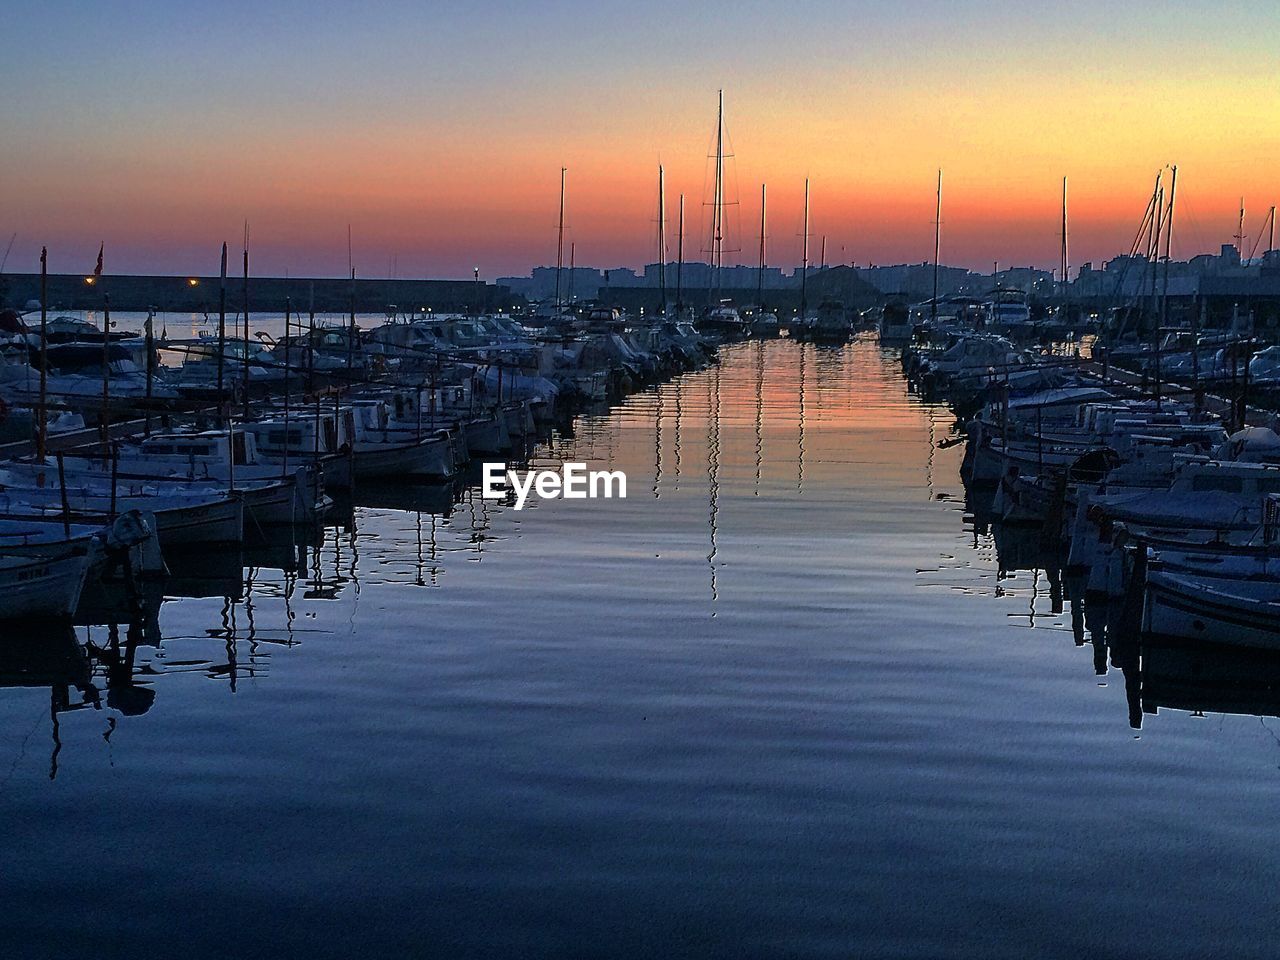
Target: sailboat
(763, 322)
(721, 314)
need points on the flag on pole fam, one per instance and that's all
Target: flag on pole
(97, 271)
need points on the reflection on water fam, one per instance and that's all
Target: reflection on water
(788, 698)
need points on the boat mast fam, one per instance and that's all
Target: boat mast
(1164, 291)
(680, 259)
(222, 323)
(717, 212)
(42, 415)
(560, 241)
(1239, 238)
(351, 324)
(662, 243)
(804, 255)
(246, 321)
(1153, 238)
(937, 248)
(760, 272)
(1168, 245)
(1064, 266)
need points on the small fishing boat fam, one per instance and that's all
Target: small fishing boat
(46, 587)
(1236, 610)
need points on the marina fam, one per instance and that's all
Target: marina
(617, 481)
(581, 677)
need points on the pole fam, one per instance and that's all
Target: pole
(937, 249)
(311, 345)
(288, 373)
(1065, 265)
(804, 255)
(66, 506)
(760, 273)
(106, 368)
(42, 415)
(1164, 290)
(680, 260)
(1240, 232)
(115, 478)
(351, 327)
(560, 241)
(246, 321)
(222, 323)
(717, 212)
(662, 242)
(151, 366)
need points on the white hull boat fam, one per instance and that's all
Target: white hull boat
(42, 587)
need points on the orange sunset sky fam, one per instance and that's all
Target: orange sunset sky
(437, 131)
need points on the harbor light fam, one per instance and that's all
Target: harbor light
(193, 282)
(91, 280)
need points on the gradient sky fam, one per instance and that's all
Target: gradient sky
(437, 130)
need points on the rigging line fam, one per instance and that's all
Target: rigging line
(1261, 230)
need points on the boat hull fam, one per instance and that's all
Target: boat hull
(42, 588)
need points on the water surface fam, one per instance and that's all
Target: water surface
(786, 699)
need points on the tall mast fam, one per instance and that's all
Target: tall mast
(1153, 239)
(804, 254)
(760, 274)
(1065, 267)
(222, 323)
(246, 321)
(351, 324)
(717, 212)
(560, 239)
(822, 257)
(1168, 249)
(662, 242)
(680, 259)
(42, 415)
(937, 249)
(1271, 230)
(1239, 237)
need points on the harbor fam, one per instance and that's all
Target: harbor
(607, 481)
(807, 639)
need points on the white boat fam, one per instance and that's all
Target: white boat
(1241, 612)
(387, 448)
(42, 587)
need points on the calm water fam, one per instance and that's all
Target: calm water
(781, 701)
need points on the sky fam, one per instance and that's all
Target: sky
(436, 131)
